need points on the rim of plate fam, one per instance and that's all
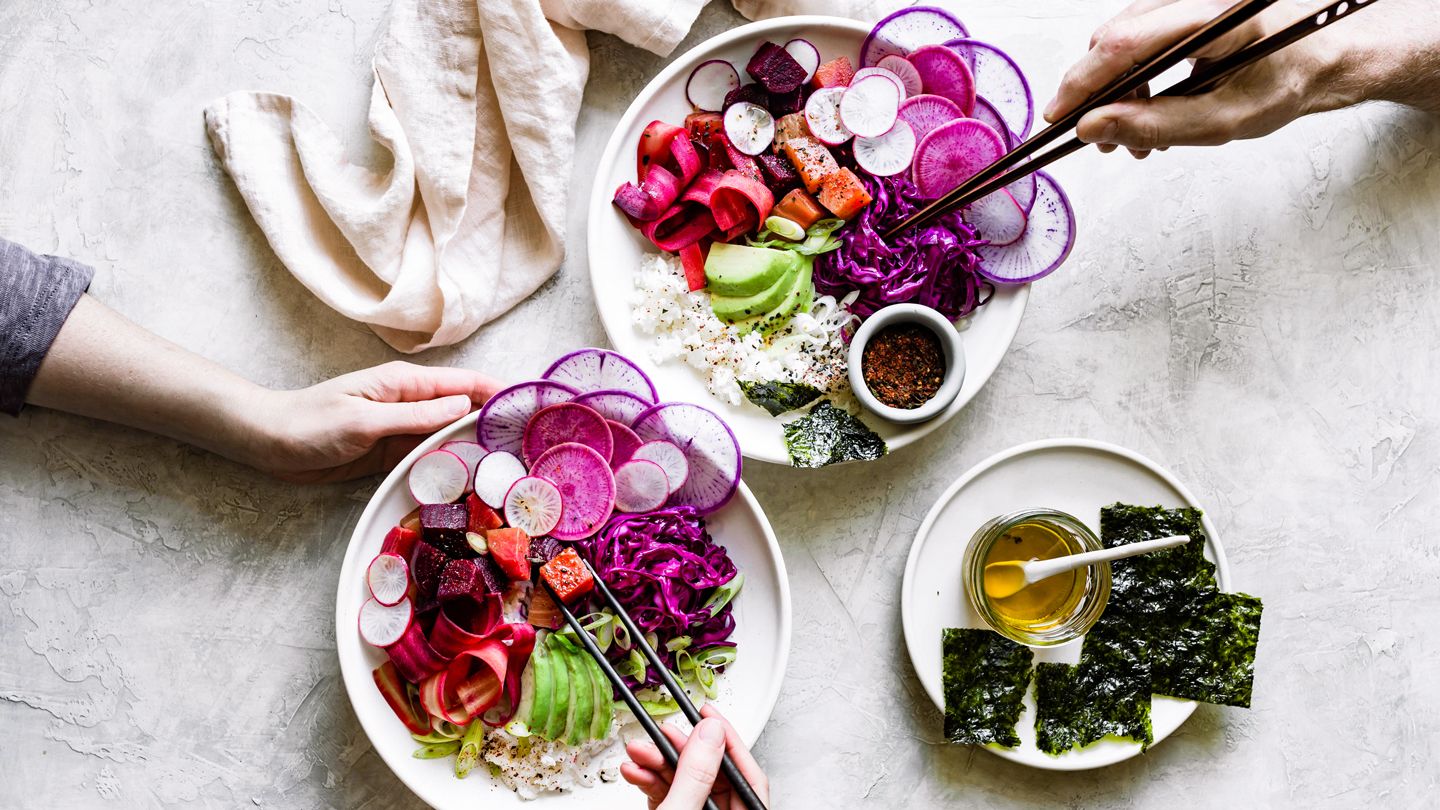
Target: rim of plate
(600, 206)
(353, 680)
(907, 620)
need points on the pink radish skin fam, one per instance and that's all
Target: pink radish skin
(888, 155)
(708, 84)
(870, 105)
(501, 425)
(944, 73)
(822, 115)
(439, 476)
(586, 485)
(383, 625)
(614, 405)
(626, 443)
(999, 219)
(640, 486)
(952, 154)
(669, 457)
(495, 475)
(388, 579)
(470, 453)
(566, 422)
(901, 67)
(533, 505)
(1047, 242)
(601, 370)
(880, 71)
(806, 54)
(925, 112)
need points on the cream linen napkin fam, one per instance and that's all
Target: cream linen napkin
(469, 217)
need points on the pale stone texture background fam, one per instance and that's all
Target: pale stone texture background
(1260, 318)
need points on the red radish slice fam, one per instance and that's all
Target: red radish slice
(806, 54)
(626, 442)
(709, 83)
(566, 422)
(822, 114)
(502, 421)
(906, 72)
(869, 105)
(879, 71)
(470, 453)
(383, 625)
(615, 405)
(669, 457)
(495, 475)
(926, 112)
(601, 370)
(944, 73)
(1002, 82)
(586, 486)
(998, 217)
(1046, 243)
(388, 578)
(908, 29)
(709, 446)
(889, 154)
(952, 154)
(640, 486)
(439, 476)
(533, 505)
(750, 127)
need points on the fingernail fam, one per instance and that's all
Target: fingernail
(1049, 113)
(711, 732)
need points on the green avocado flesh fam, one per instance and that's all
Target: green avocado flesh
(560, 707)
(984, 678)
(582, 697)
(740, 270)
(542, 704)
(732, 309)
(797, 297)
(604, 701)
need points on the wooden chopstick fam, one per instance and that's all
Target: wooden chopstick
(588, 642)
(1121, 87)
(1203, 80)
(738, 782)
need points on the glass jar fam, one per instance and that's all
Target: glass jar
(1075, 607)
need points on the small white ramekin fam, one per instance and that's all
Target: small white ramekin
(950, 343)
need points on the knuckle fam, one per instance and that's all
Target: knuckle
(1118, 43)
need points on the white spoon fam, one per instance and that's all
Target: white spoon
(1003, 579)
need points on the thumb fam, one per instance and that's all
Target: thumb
(699, 762)
(417, 418)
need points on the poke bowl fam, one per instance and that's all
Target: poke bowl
(683, 262)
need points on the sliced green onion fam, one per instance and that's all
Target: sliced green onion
(723, 594)
(622, 636)
(477, 542)
(705, 676)
(716, 657)
(677, 643)
(517, 728)
(785, 228)
(437, 750)
(431, 738)
(469, 754)
(657, 703)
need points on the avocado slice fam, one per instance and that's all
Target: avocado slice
(604, 701)
(543, 701)
(744, 270)
(582, 697)
(731, 309)
(560, 670)
(800, 292)
(525, 712)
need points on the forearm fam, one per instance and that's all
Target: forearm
(1388, 53)
(103, 366)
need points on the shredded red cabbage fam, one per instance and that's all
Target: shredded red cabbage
(663, 566)
(935, 265)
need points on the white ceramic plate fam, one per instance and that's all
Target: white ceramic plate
(1072, 475)
(616, 248)
(748, 688)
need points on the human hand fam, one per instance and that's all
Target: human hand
(359, 423)
(697, 777)
(1316, 74)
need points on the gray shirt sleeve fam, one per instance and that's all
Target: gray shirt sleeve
(36, 296)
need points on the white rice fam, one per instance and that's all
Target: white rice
(809, 349)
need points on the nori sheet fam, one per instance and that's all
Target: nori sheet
(829, 435)
(1107, 693)
(985, 676)
(779, 397)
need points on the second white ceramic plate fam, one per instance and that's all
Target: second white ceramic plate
(1076, 476)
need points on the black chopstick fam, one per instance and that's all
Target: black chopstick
(737, 780)
(1121, 87)
(1204, 79)
(588, 642)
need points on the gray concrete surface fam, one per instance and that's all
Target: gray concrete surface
(1260, 318)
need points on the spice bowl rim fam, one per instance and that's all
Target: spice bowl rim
(950, 343)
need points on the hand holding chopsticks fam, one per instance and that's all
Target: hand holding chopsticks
(1026, 157)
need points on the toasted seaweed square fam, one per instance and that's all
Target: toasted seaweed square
(985, 676)
(779, 397)
(829, 435)
(1205, 650)
(1106, 694)
(1159, 580)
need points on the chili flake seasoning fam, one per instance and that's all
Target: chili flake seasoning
(904, 365)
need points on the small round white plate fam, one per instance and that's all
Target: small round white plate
(616, 248)
(748, 689)
(1077, 476)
